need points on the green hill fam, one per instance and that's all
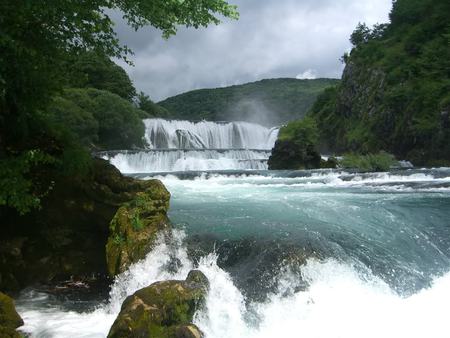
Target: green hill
(395, 89)
(269, 102)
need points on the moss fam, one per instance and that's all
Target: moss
(67, 237)
(163, 309)
(135, 226)
(9, 318)
(7, 332)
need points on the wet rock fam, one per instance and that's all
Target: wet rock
(188, 331)
(163, 309)
(9, 318)
(135, 226)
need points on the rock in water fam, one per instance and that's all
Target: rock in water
(287, 155)
(163, 309)
(135, 226)
(68, 235)
(9, 318)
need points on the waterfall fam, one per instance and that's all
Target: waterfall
(175, 145)
(163, 134)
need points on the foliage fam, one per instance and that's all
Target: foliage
(67, 114)
(394, 91)
(137, 223)
(273, 101)
(15, 190)
(150, 108)
(38, 39)
(92, 70)
(101, 118)
(360, 35)
(296, 147)
(302, 132)
(370, 162)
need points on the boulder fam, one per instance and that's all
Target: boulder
(9, 318)
(135, 226)
(288, 155)
(163, 309)
(67, 236)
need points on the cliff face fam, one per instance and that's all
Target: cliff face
(395, 89)
(67, 237)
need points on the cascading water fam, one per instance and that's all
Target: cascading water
(314, 254)
(193, 146)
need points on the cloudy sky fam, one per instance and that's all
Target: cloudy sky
(272, 38)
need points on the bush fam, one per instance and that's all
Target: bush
(370, 162)
(302, 132)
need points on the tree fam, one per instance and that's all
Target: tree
(151, 108)
(92, 70)
(38, 38)
(360, 35)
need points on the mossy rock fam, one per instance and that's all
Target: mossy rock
(163, 309)
(7, 332)
(9, 318)
(135, 226)
(68, 235)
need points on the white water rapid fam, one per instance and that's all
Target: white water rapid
(376, 264)
(197, 146)
(339, 302)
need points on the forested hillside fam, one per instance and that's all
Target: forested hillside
(271, 101)
(395, 89)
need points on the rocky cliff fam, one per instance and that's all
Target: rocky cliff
(395, 89)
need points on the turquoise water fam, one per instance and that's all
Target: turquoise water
(293, 254)
(396, 225)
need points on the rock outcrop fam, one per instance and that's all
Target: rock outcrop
(163, 309)
(287, 155)
(135, 226)
(67, 237)
(9, 318)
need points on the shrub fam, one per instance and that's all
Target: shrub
(370, 162)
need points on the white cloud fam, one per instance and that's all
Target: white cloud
(272, 38)
(308, 74)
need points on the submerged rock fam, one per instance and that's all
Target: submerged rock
(135, 226)
(9, 318)
(163, 309)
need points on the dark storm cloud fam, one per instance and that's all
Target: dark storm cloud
(272, 38)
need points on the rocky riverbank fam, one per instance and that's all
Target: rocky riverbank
(67, 237)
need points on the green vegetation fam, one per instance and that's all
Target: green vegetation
(149, 108)
(99, 118)
(296, 146)
(395, 90)
(302, 132)
(46, 47)
(272, 101)
(91, 70)
(370, 162)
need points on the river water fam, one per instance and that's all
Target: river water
(323, 253)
